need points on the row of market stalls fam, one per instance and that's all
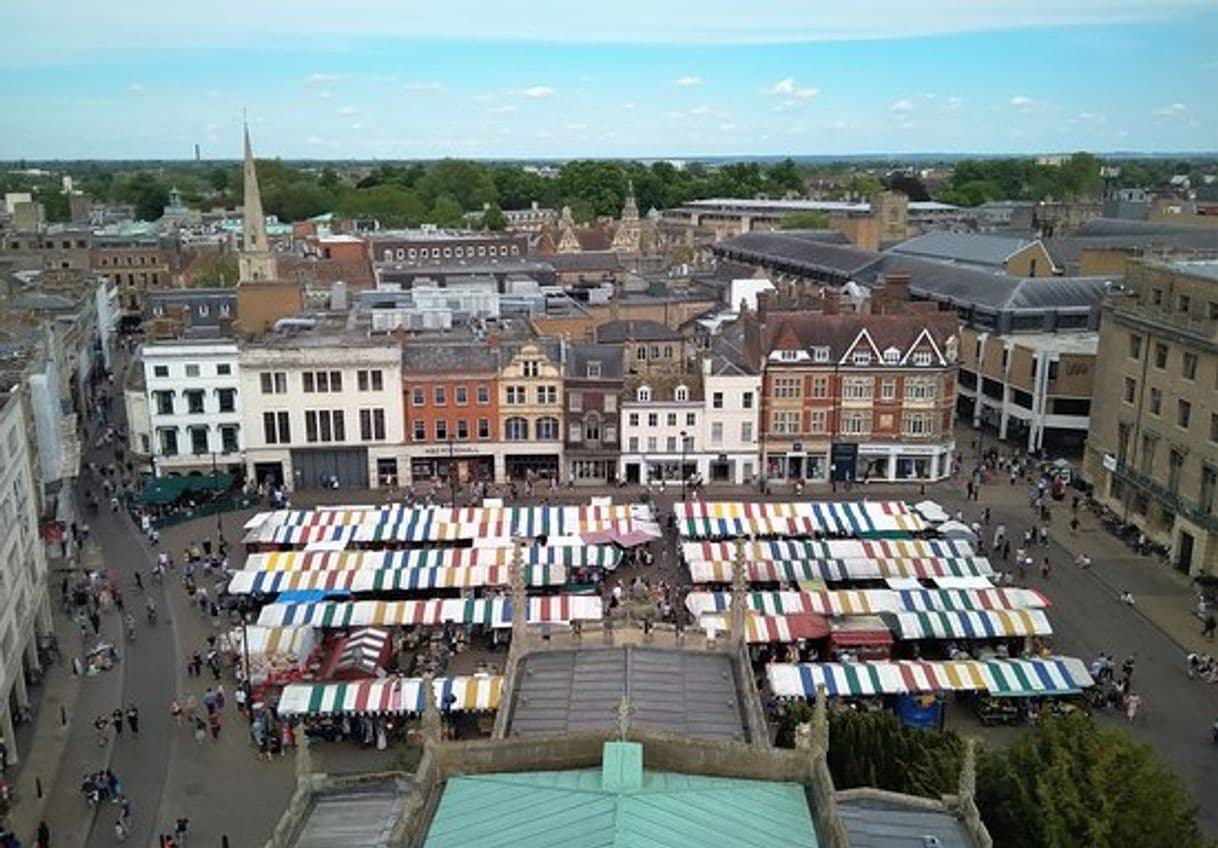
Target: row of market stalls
(391, 695)
(873, 598)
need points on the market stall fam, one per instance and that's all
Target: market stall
(838, 570)
(869, 601)
(488, 612)
(830, 549)
(570, 557)
(852, 519)
(276, 654)
(395, 580)
(862, 637)
(397, 695)
(781, 629)
(363, 653)
(980, 624)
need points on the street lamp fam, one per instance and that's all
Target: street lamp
(683, 446)
(452, 472)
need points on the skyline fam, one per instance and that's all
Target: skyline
(473, 80)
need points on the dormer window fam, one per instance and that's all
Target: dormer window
(922, 357)
(644, 394)
(594, 369)
(788, 355)
(861, 357)
(892, 356)
(680, 394)
(820, 353)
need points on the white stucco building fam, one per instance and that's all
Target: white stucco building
(728, 446)
(322, 406)
(25, 610)
(194, 396)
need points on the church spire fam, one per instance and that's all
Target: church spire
(256, 261)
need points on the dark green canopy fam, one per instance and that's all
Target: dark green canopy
(164, 490)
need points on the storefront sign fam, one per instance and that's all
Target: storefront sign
(455, 450)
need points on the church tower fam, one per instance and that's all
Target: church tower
(628, 237)
(256, 262)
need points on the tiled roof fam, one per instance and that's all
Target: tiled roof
(967, 248)
(598, 260)
(839, 332)
(608, 355)
(643, 330)
(430, 358)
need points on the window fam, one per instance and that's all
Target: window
(671, 419)
(575, 401)
(1156, 297)
(224, 369)
(460, 395)
(372, 380)
(275, 428)
(593, 369)
(336, 381)
(192, 370)
(164, 402)
(820, 354)
(787, 387)
(746, 432)
(547, 394)
(640, 353)
(888, 389)
(462, 430)
(651, 444)
(515, 396)
(917, 424)
(228, 438)
(643, 394)
(1175, 463)
(169, 441)
(1135, 346)
(785, 422)
(1211, 311)
(632, 444)
(325, 425)
(892, 356)
(1156, 402)
(592, 430)
(820, 387)
(1160, 355)
(1184, 413)
(418, 396)
(484, 428)
(788, 355)
(922, 358)
(516, 429)
(717, 400)
(372, 425)
(856, 423)
(547, 429)
(1131, 389)
(273, 382)
(671, 444)
(1190, 366)
(306, 381)
(819, 421)
(439, 395)
(530, 368)
(1213, 427)
(1183, 302)
(1209, 484)
(691, 420)
(420, 430)
(653, 419)
(746, 400)
(857, 388)
(198, 440)
(633, 419)
(609, 402)
(228, 399)
(160, 370)
(920, 389)
(716, 432)
(861, 358)
(484, 395)
(577, 432)
(680, 394)
(441, 427)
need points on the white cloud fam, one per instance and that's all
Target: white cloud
(690, 80)
(726, 127)
(700, 110)
(423, 86)
(137, 88)
(347, 110)
(357, 126)
(1020, 102)
(576, 127)
(322, 79)
(502, 109)
(1172, 109)
(538, 92)
(903, 105)
(627, 105)
(788, 87)
(324, 95)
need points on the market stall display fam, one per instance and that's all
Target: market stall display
(981, 624)
(364, 653)
(838, 570)
(489, 612)
(393, 695)
(391, 580)
(870, 601)
(854, 519)
(830, 549)
(568, 556)
(782, 629)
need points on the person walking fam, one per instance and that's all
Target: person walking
(1132, 703)
(1045, 568)
(133, 719)
(181, 830)
(116, 719)
(120, 831)
(1210, 623)
(213, 720)
(44, 835)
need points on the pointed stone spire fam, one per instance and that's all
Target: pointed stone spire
(630, 211)
(740, 587)
(256, 261)
(431, 723)
(628, 236)
(820, 724)
(967, 791)
(520, 600)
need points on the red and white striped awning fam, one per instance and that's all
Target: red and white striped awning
(833, 570)
(395, 695)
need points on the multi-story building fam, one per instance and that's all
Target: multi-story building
(195, 398)
(1152, 453)
(647, 345)
(25, 610)
(436, 247)
(728, 440)
(531, 407)
(593, 387)
(54, 248)
(135, 265)
(662, 415)
(321, 405)
(451, 401)
(855, 395)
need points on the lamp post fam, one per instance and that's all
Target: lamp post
(219, 523)
(452, 472)
(683, 446)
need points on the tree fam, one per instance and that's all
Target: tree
(493, 219)
(391, 205)
(214, 269)
(810, 220)
(446, 212)
(468, 184)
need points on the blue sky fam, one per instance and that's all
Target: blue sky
(552, 78)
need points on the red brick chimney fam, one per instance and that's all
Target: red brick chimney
(896, 287)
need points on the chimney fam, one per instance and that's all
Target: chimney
(831, 304)
(897, 287)
(763, 306)
(879, 297)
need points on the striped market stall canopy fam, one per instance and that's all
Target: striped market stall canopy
(987, 624)
(570, 557)
(761, 629)
(396, 523)
(869, 601)
(836, 570)
(728, 519)
(804, 549)
(390, 695)
(363, 650)
(1011, 677)
(273, 641)
(490, 612)
(397, 580)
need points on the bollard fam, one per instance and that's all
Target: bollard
(63, 716)
(38, 786)
(224, 841)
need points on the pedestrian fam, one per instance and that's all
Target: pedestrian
(1210, 622)
(1044, 568)
(1127, 667)
(1006, 550)
(44, 835)
(125, 811)
(120, 831)
(240, 697)
(181, 829)
(133, 719)
(139, 581)
(175, 710)
(100, 724)
(213, 720)
(1074, 525)
(200, 730)
(1132, 702)
(116, 719)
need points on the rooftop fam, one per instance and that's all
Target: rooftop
(882, 820)
(684, 692)
(620, 804)
(967, 248)
(1197, 268)
(642, 330)
(437, 235)
(363, 817)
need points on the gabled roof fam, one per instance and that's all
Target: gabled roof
(431, 358)
(845, 331)
(608, 355)
(982, 249)
(642, 330)
(809, 254)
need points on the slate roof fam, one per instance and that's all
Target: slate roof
(1107, 227)
(838, 332)
(685, 692)
(806, 253)
(643, 330)
(363, 817)
(594, 260)
(618, 806)
(1067, 251)
(884, 823)
(966, 248)
(431, 358)
(608, 355)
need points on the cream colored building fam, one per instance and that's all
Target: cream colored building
(531, 409)
(1152, 453)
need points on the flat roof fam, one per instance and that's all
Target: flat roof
(882, 823)
(1207, 268)
(807, 205)
(1086, 342)
(691, 693)
(363, 817)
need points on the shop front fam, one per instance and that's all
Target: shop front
(536, 466)
(903, 462)
(591, 469)
(799, 461)
(465, 463)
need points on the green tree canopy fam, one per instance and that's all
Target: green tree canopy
(810, 220)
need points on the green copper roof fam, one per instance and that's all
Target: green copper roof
(598, 808)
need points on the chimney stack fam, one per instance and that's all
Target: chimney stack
(896, 286)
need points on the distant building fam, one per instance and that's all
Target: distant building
(593, 385)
